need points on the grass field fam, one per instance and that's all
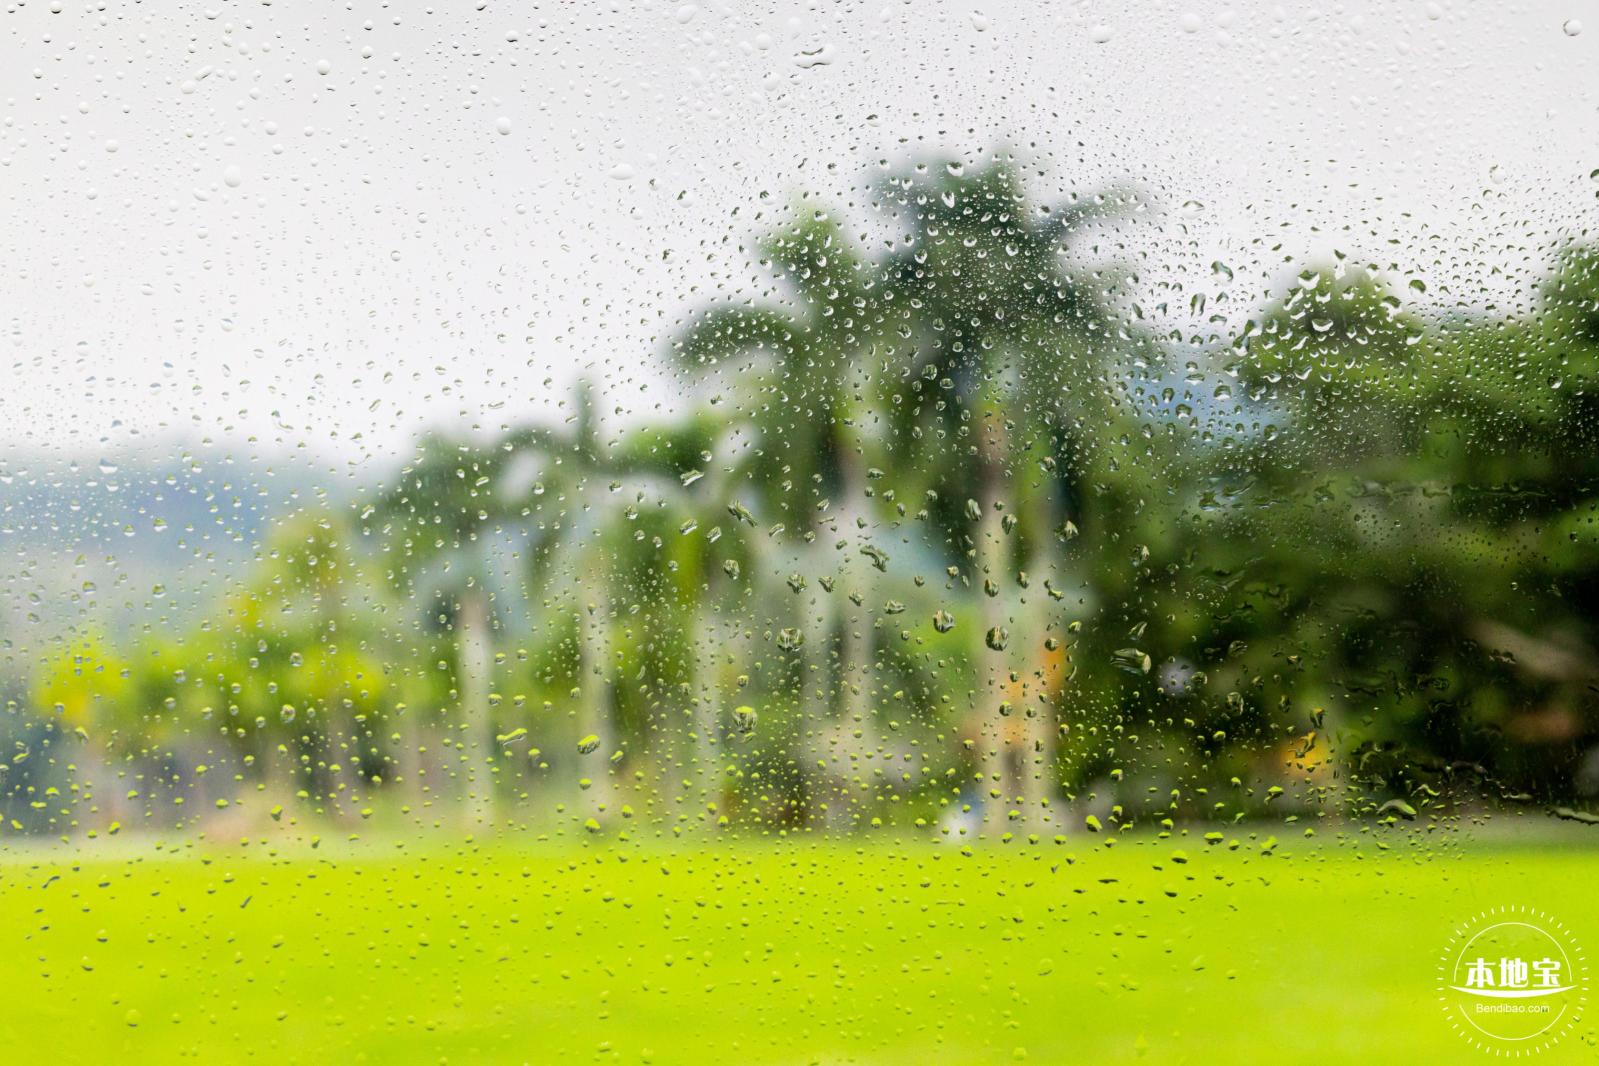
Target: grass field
(904, 952)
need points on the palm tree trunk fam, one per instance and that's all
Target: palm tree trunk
(594, 713)
(277, 771)
(1000, 752)
(472, 638)
(853, 681)
(408, 761)
(855, 645)
(700, 758)
(817, 738)
(98, 785)
(1037, 729)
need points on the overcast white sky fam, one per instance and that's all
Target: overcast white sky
(329, 225)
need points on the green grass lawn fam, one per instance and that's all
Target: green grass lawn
(896, 951)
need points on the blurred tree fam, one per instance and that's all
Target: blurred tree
(692, 559)
(443, 532)
(1417, 541)
(803, 371)
(1014, 367)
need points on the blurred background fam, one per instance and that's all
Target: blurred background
(597, 426)
(401, 406)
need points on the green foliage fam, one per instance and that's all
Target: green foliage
(957, 541)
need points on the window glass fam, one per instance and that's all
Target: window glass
(813, 532)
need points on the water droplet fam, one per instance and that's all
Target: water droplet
(820, 56)
(1132, 660)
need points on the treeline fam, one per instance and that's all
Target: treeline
(948, 539)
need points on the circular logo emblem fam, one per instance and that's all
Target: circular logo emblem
(1512, 980)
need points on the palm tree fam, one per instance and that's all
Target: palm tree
(1007, 382)
(562, 484)
(443, 527)
(695, 552)
(803, 370)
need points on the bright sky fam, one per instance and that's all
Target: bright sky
(330, 225)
